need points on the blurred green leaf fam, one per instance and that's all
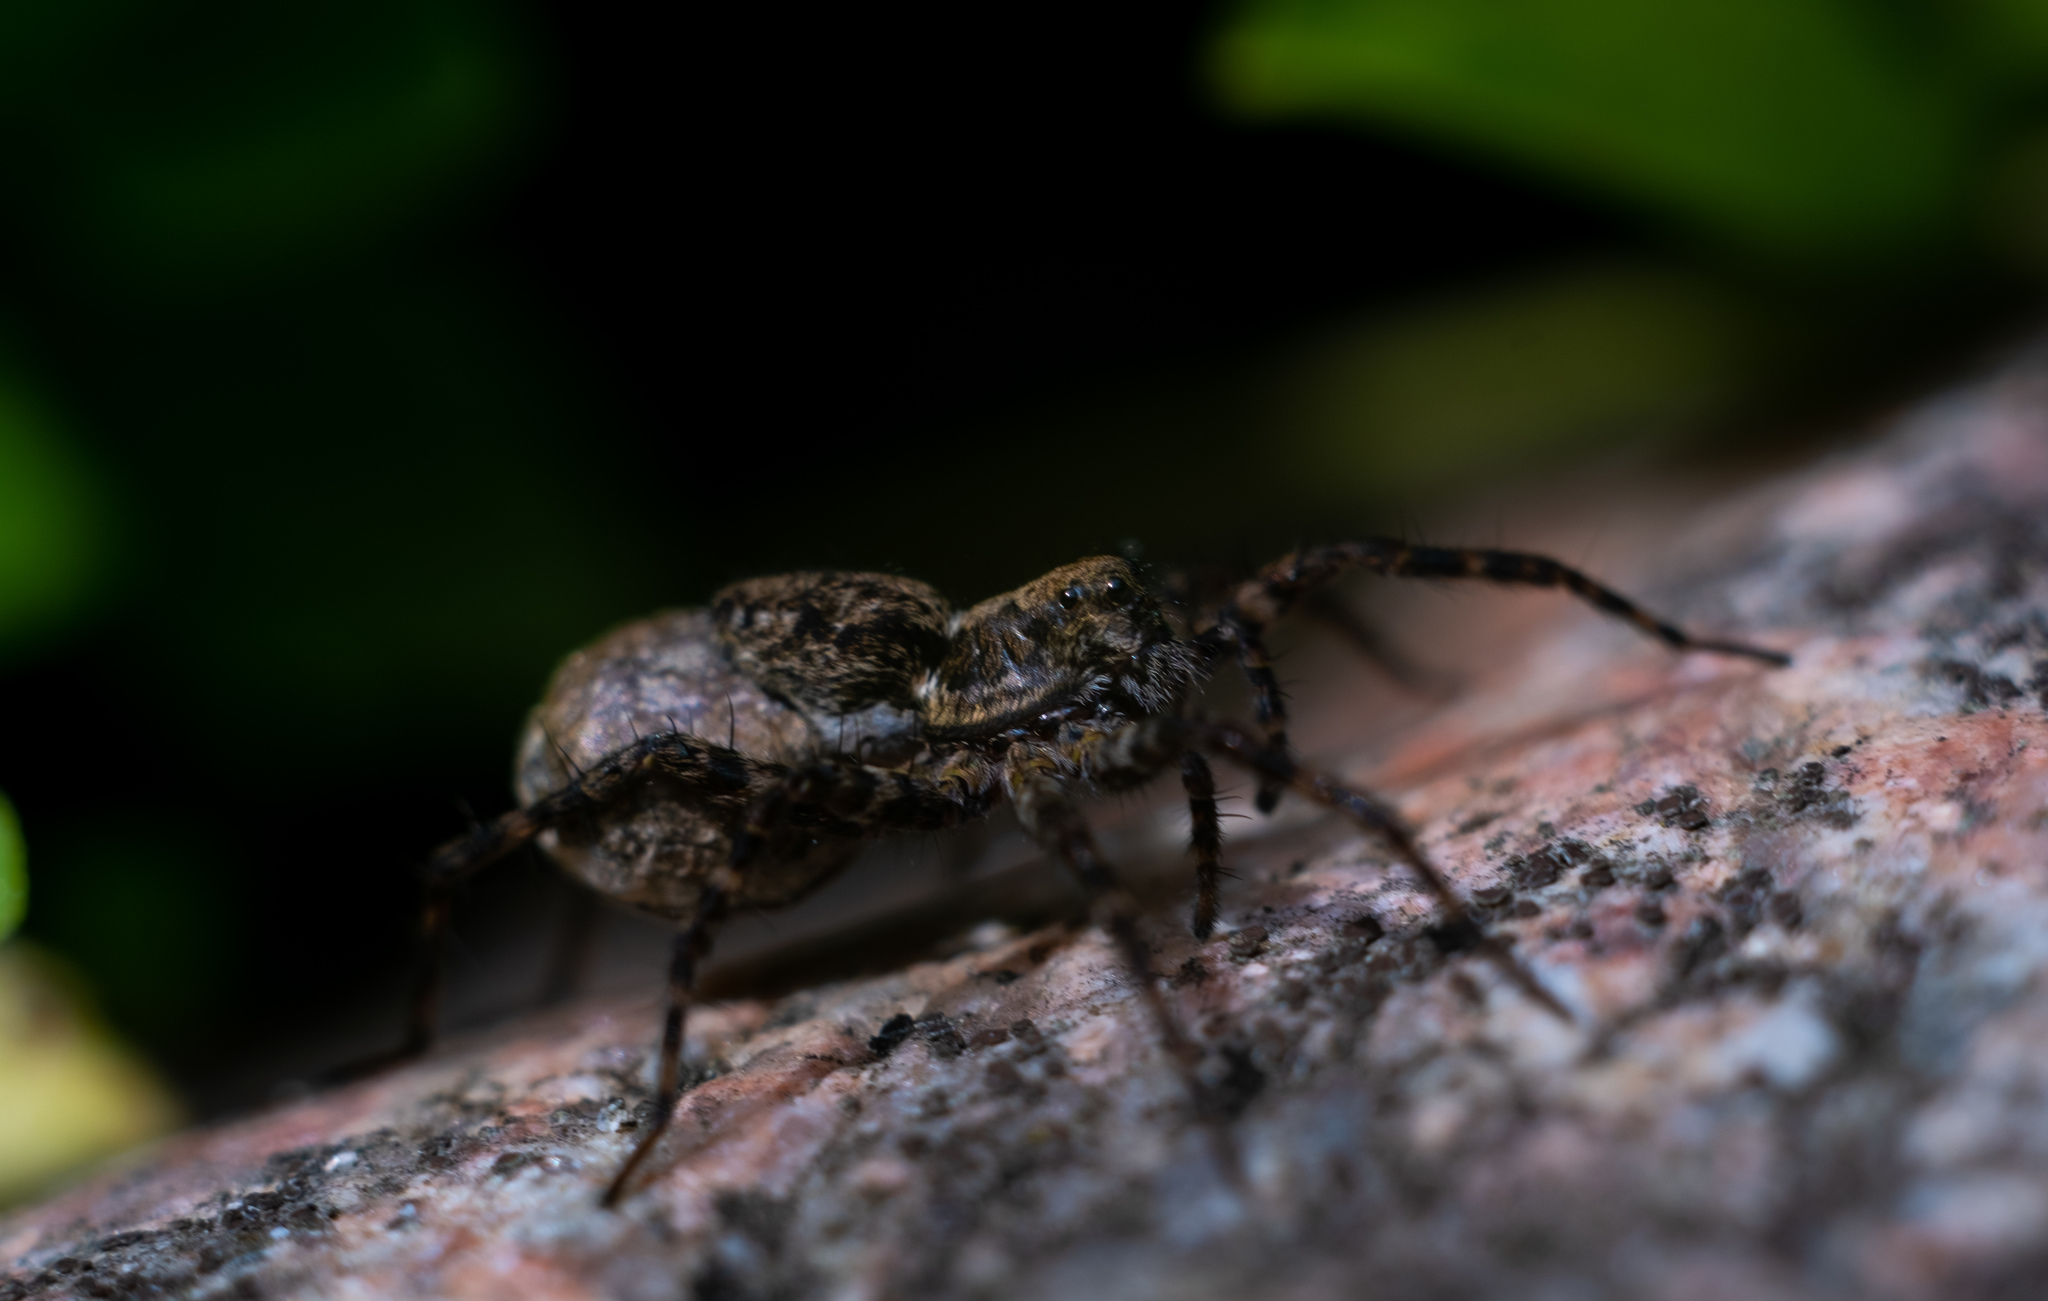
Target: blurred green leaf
(203, 143)
(142, 908)
(1820, 129)
(1465, 389)
(13, 870)
(2006, 37)
(52, 525)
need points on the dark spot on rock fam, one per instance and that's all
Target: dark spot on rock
(1002, 975)
(1493, 896)
(1028, 1038)
(1191, 972)
(1246, 943)
(1683, 807)
(988, 1037)
(1580, 929)
(1599, 874)
(1658, 878)
(1240, 1081)
(1650, 913)
(757, 1216)
(1297, 867)
(1527, 908)
(1981, 690)
(1839, 751)
(1646, 808)
(940, 1033)
(1475, 822)
(1703, 942)
(1807, 795)
(1455, 936)
(893, 1032)
(1744, 895)
(1003, 1078)
(1366, 926)
(1785, 909)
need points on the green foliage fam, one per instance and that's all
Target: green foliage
(1824, 131)
(1488, 382)
(52, 526)
(13, 870)
(202, 144)
(143, 909)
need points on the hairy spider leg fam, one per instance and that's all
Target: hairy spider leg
(1267, 596)
(1130, 754)
(715, 769)
(1205, 839)
(1051, 817)
(1268, 701)
(690, 947)
(854, 799)
(1458, 924)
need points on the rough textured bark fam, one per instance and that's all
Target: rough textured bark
(1801, 915)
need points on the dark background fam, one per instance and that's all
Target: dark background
(666, 299)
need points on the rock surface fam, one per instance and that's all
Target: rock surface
(1802, 917)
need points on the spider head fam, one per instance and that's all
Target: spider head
(1085, 641)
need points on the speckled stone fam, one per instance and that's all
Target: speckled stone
(1802, 918)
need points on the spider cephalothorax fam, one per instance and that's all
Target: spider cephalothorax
(1084, 644)
(706, 759)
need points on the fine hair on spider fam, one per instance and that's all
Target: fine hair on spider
(1073, 684)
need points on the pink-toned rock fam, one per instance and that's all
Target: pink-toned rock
(1802, 917)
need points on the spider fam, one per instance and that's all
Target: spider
(711, 759)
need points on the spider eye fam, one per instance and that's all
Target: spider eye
(1070, 598)
(1116, 587)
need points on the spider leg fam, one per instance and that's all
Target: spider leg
(852, 798)
(689, 948)
(1267, 596)
(1205, 839)
(1384, 822)
(1051, 817)
(712, 768)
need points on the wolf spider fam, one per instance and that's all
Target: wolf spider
(856, 705)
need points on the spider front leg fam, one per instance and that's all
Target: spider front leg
(710, 768)
(1278, 768)
(1125, 756)
(1242, 623)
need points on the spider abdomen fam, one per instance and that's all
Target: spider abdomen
(654, 849)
